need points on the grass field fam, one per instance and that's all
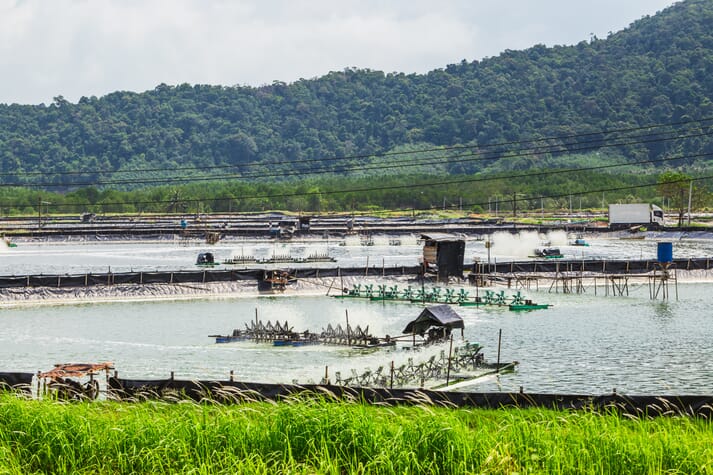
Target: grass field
(318, 436)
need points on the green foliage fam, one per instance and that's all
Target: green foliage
(660, 70)
(318, 436)
(535, 189)
(679, 189)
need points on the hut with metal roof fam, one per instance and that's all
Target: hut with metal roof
(435, 323)
(443, 254)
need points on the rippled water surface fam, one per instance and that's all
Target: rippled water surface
(585, 343)
(81, 257)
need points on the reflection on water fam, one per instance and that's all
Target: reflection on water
(583, 344)
(663, 312)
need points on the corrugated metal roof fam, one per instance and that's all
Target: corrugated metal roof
(435, 316)
(441, 237)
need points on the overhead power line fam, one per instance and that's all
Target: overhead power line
(396, 187)
(482, 148)
(464, 158)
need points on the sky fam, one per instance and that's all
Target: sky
(75, 48)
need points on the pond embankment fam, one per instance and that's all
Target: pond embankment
(250, 288)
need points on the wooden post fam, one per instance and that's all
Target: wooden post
(391, 385)
(450, 352)
(349, 339)
(497, 366)
(231, 376)
(326, 375)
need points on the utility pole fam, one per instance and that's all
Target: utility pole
(690, 193)
(39, 210)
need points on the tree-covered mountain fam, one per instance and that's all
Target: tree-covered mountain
(657, 71)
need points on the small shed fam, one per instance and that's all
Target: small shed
(443, 253)
(87, 217)
(288, 227)
(437, 321)
(205, 259)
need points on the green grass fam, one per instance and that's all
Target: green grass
(317, 436)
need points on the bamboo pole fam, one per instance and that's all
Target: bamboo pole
(500, 335)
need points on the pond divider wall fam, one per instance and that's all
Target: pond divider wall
(600, 267)
(18, 381)
(590, 266)
(235, 392)
(232, 392)
(189, 276)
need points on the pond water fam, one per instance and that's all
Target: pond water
(73, 257)
(585, 343)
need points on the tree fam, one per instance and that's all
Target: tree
(677, 187)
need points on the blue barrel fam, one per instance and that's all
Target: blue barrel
(665, 252)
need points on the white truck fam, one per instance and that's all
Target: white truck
(635, 214)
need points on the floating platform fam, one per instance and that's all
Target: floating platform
(526, 307)
(465, 364)
(384, 293)
(279, 334)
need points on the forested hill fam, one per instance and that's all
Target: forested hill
(659, 70)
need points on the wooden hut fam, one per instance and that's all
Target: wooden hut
(435, 322)
(443, 254)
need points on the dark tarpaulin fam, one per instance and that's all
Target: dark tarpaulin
(185, 277)
(73, 280)
(154, 277)
(97, 279)
(12, 281)
(594, 265)
(126, 278)
(234, 391)
(16, 381)
(43, 281)
(435, 316)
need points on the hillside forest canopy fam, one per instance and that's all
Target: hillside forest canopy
(601, 121)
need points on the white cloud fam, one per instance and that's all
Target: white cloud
(80, 48)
